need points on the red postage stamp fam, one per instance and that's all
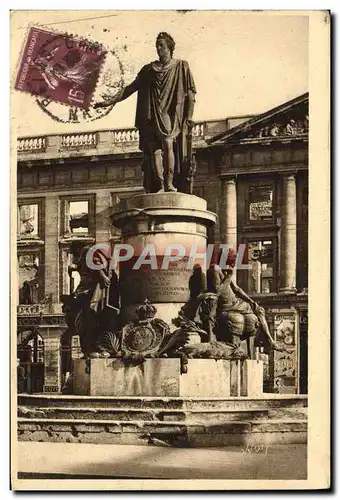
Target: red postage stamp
(60, 67)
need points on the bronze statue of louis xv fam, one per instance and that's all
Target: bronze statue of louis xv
(165, 105)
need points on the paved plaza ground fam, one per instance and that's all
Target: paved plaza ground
(77, 461)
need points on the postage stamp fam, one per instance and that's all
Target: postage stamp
(60, 67)
(111, 79)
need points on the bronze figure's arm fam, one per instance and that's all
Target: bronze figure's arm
(215, 278)
(240, 293)
(258, 311)
(120, 96)
(128, 90)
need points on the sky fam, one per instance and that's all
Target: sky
(243, 63)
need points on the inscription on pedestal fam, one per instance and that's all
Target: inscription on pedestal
(166, 285)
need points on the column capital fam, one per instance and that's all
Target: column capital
(290, 174)
(228, 178)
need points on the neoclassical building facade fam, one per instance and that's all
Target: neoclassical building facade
(253, 172)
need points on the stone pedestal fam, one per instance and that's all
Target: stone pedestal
(111, 377)
(206, 377)
(159, 225)
(252, 378)
(162, 377)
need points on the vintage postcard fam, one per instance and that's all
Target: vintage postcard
(170, 323)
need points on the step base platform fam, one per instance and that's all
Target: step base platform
(187, 422)
(173, 433)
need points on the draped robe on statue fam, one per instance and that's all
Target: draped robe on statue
(162, 111)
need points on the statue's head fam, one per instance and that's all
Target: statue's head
(165, 43)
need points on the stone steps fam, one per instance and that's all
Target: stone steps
(127, 414)
(262, 431)
(199, 422)
(267, 401)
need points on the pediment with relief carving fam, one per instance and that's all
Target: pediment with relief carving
(287, 122)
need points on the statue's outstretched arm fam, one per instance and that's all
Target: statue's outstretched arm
(120, 96)
(128, 90)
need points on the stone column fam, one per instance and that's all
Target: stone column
(288, 235)
(52, 247)
(229, 213)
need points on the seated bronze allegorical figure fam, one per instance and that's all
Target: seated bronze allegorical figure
(224, 310)
(93, 307)
(235, 318)
(238, 316)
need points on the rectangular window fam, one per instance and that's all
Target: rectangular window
(261, 274)
(77, 216)
(69, 259)
(76, 348)
(37, 348)
(73, 255)
(78, 221)
(28, 220)
(28, 270)
(260, 203)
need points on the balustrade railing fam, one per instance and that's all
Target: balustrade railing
(87, 139)
(125, 135)
(31, 144)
